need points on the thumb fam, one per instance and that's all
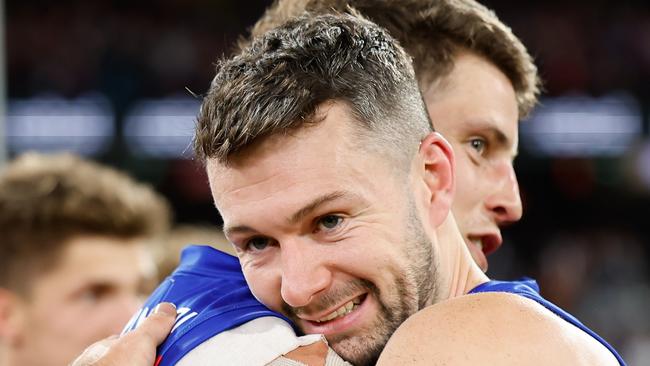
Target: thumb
(157, 325)
(138, 348)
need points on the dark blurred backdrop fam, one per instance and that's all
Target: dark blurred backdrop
(115, 80)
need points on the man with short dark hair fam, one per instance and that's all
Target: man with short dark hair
(337, 197)
(341, 220)
(73, 258)
(337, 194)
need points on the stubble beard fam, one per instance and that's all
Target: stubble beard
(414, 288)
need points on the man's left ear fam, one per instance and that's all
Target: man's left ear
(11, 317)
(439, 175)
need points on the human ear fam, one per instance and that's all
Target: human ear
(10, 317)
(437, 157)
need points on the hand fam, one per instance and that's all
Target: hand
(136, 348)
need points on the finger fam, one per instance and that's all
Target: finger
(94, 352)
(156, 327)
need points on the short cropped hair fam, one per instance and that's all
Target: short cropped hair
(433, 32)
(276, 84)
(45, 200)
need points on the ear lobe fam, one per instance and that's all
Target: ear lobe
(439, 175)
(10, 317)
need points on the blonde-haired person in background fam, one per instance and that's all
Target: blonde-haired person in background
(74, 259)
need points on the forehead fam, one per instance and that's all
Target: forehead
(474, 95)
(89, 258)
(283, 171)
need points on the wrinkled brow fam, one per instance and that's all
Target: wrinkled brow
(300, 214)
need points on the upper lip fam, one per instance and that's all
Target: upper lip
(491, 240)
(320, 315)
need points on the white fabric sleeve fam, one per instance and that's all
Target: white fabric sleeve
(255, 343)
(333, 359)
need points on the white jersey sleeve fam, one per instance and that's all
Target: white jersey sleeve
(256, 343)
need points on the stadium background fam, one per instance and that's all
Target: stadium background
(115, 80)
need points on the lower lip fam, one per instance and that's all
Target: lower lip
(339, 325)
(482, 260)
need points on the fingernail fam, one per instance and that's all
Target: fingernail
(166, 308)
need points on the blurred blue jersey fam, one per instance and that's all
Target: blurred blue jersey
(211, 296)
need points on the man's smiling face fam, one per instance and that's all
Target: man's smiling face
(328, 234)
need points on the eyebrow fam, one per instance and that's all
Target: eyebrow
(299, 215)
(498, 135)
(315, 204)
(503, 140)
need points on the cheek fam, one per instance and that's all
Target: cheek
(373, 259)
(469, 182)
(92, 320)
(62, 321)
(264, 284)
(465, 167)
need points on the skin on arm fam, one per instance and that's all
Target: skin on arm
(137, 348)
(491, 329)
(311, 355)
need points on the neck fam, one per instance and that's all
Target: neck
(455, 260)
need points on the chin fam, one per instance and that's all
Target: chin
(360, 352)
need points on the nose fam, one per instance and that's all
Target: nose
(304, 273)
(504, 204)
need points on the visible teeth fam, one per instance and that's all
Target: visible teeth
(342, 311)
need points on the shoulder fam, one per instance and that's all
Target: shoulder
(491, 328)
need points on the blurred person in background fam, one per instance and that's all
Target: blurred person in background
(74, 256)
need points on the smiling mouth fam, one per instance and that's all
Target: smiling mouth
(342, 311)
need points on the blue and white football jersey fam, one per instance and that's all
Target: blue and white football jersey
(211, 296)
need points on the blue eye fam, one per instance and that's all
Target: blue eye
(258, 243)
(329, 222)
